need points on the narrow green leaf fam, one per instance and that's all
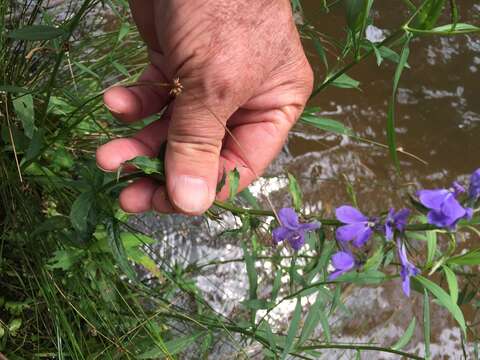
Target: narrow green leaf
(277, 283)
(431, 247)
(173, 347)
(295, 191)
(372, 277)
(375, 260)
(124, 30)
(406, 337)
(452, 283)
(233, 182)
(426, 323)
(445, 300)
(247, 195)
(326, 124)
(320, 51)
(292, 330)
(449, 29)
(251, 274)
(470, 258)
(345, 82)
(117, 248)
(315, 315)
(86, 69)
(391, 136)
(24, 110)
(36, 33)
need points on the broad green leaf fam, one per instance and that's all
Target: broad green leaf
(292, 330)
(36, 33)
(444, 299)
(315, 315)
(148, 165)
(14, 325)
(295, 191)
(233, 182)
(452, 283)
(406, 337)
(375, 260)
(79, 213)
(426, 323)
(326, 124)
(23, 106)
(12, 89)
(65, 259)
(391, 136)
(470, 258)
(345, 82)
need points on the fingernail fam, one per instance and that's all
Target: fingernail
(112, 110)
(191, 194)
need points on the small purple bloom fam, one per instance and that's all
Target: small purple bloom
(358, 228)
(445, 210)
(474, 190)
(343, 262)
(408, 269)
(291, 229)
(396, 221)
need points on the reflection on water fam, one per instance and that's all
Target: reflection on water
(438, 120)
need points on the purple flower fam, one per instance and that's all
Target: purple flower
(342, 261)
(291, 229)
(474, 190)
(445, 210)
(358, 228)
(396, 221)
(408, 269)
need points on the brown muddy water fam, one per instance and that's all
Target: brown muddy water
(438, 120)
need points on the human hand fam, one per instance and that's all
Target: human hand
(242, 67)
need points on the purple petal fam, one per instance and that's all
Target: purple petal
(349, 232)
(438, 218)
(474, 189)
(406, 285)
(388, 231)
(402, 253)
(400, 219)
(296, 240)
(280, 234)
(433, 199)
(349, 215)
(336, 274)
(457, 188)
(343, 260)
(468, 214)
(363, 237)
(310, 226)
(452, 209)
(288, 218)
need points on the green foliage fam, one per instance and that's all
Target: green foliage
(78, 282)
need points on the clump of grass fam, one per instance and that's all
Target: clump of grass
(70, 285)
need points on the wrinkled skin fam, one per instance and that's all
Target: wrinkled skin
(241, 60)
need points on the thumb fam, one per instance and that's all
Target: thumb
(193, 150)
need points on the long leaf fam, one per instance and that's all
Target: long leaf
(406, 337)
(292, 330)
(391, 136)
(36, 33)
(445, 300)
(426, 323)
